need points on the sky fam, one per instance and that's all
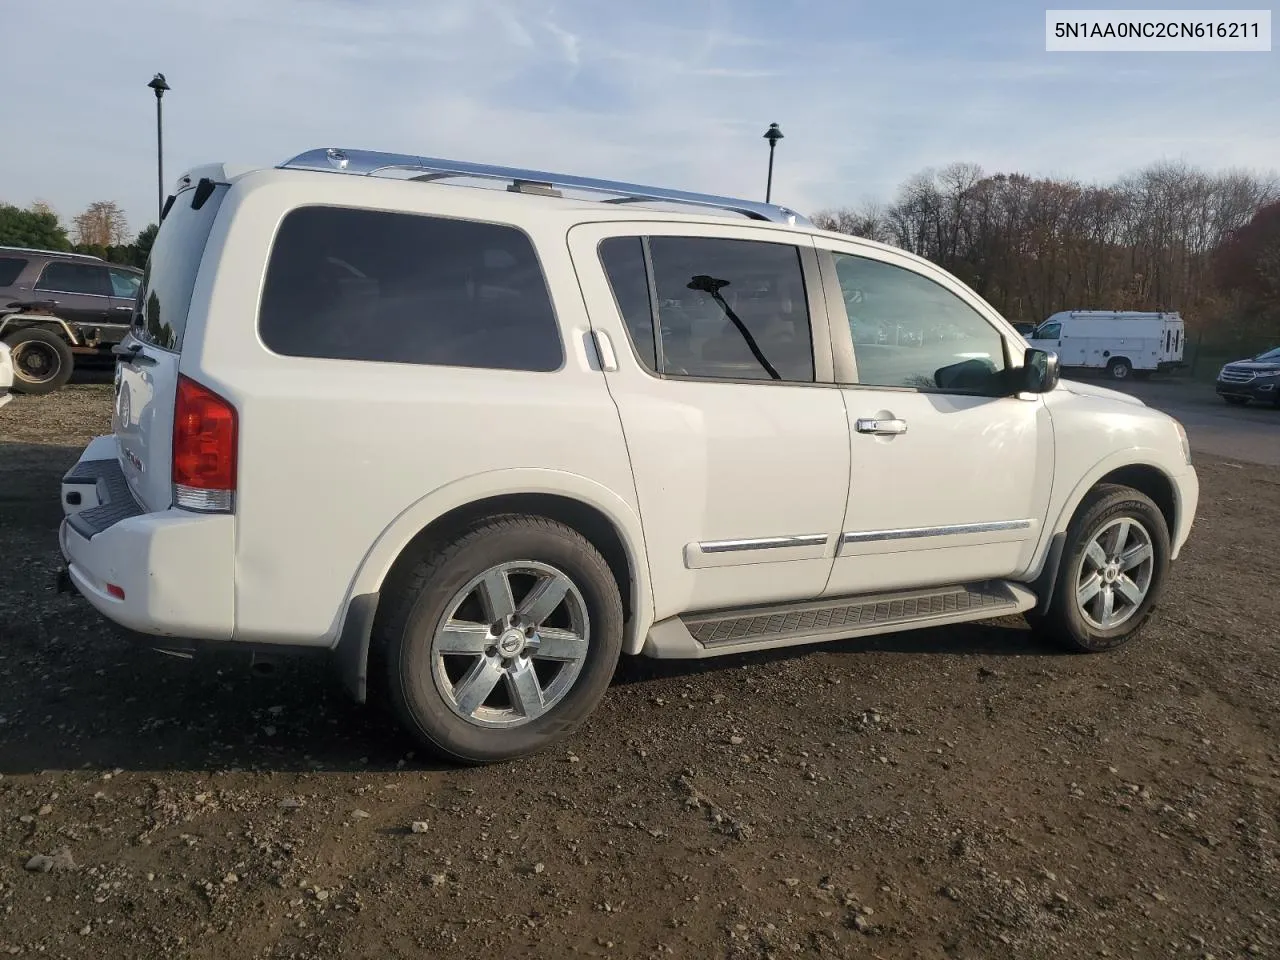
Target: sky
(673, 92)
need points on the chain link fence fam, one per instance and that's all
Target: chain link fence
(1204, 356)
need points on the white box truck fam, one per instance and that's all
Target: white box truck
(1124, 343)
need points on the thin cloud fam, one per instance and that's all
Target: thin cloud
(670, 91)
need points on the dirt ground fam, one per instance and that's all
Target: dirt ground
(954, 793)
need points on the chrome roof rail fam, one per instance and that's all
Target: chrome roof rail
(370, 163)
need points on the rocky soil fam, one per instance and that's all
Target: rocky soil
(957, 793)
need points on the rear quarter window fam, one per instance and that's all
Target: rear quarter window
(387, 287)
(10, 269)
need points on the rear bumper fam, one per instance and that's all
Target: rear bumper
(168, 574)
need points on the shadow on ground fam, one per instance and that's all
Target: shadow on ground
(77, 692)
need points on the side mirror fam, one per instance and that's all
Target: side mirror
(1040, 372)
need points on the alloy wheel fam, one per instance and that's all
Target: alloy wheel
(511, 644)
(1115, 573)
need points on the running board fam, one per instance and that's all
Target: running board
(719, 632)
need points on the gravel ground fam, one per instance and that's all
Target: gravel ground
(958, 793)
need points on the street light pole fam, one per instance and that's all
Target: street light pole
(159, 85)
(773, 135)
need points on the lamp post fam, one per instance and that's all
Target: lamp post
(159, 85)
(773, 135)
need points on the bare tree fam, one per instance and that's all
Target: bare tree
(867, 222)
(102, 224)
(1035, 246)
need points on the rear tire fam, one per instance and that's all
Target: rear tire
(42, 361)
(1114, 565)
(479, 672)
(1119, 368)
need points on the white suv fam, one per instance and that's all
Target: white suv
(478, 443)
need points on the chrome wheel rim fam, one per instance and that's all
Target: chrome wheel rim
(1115, 574)
(35, 362)
(511, 644)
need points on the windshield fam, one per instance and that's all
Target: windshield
(1269, 355)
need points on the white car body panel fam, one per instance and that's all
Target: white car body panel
(6, 374)
(718, 465)
(707, 484)
(1096, 435)
(928, 507)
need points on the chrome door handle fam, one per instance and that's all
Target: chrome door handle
(882, 428)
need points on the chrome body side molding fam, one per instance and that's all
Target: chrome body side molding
(947, 530)
(727, 553)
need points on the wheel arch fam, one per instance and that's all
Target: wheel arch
(1141, 470)
(596, 512)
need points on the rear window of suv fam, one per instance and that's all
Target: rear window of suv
(378, 286)
(164, 298)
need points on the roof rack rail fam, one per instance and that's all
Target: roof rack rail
(370, 163)
(54, 253)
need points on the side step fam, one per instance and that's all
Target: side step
(718, 632)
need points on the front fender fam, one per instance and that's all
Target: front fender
(1063, 508)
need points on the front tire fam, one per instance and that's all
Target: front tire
(500, 643)
(1114, 565)
(42, 361)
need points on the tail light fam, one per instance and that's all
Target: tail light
(204, 449)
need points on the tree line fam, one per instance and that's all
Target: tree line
(1168, 237)
(101, 230)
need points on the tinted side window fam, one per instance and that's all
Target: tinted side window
(732, 309)
(10, 270)
(623, 260)
(404, 288)
(62, 277)
(911, 332)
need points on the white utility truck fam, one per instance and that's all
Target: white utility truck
(1123, 342)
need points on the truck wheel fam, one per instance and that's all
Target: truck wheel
(1114, 564)
(42, 361)
(1119, 368)
(501, 642)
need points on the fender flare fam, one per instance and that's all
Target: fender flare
(1044, 574)
(352, 648)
